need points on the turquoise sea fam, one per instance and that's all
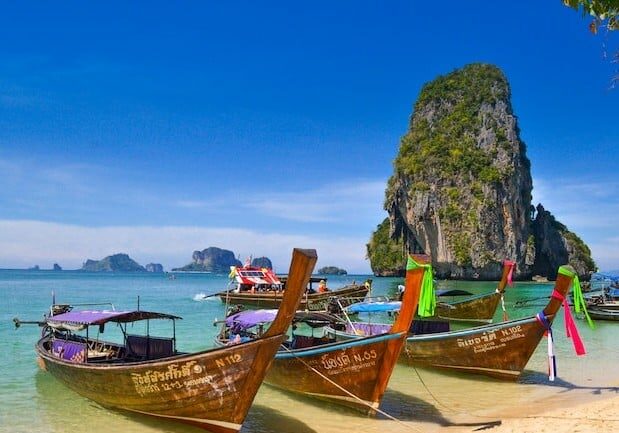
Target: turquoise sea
(31, 401)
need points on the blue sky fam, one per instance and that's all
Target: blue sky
(157, 129)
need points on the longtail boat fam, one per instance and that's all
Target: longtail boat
(499, 350)
(480, 308)
(261, 288)
(350, 373)
(212, 389)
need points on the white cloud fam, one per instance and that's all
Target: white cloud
(332, 202)
(26, 243)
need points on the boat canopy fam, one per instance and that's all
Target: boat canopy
(373, 307)
(94, 317)
(254, 276)
(250, 318)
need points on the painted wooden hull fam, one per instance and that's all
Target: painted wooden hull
(309, 301)
(604, 313)
(479, 309)
(500, 351)
(211, 389)
(361, 366)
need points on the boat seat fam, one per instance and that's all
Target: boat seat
(142, 347)
(69, 350)
(302, 341)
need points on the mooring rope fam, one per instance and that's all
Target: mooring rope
(461, 412)
(350, 394)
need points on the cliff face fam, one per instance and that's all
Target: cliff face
(113, 263)
(387, 256)
(211, 259)
(556, 245)
(461, 188)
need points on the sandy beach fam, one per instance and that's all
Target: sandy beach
(600, 413)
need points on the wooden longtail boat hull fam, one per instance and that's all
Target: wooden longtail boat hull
(335, 371)
(309, 301)
(352, 373)
(476, 309)
(480, 308)
(212, 389)
(501, 351)
(604, 313)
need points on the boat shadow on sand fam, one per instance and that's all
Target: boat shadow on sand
(55, 402)
(400, 406)
(541, 379)
(405, 407)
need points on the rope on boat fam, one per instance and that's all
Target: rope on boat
(350, 394)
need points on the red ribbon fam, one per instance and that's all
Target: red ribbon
(510, 275)
(570, 325)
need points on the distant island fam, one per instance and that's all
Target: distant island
(114, 263)
(56, 267)
(218, 260)
(154, 267)
(332, 270)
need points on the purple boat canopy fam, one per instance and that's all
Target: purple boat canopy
(93, 317)
(249, 318)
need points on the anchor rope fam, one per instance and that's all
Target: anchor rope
(474, 415)
(350, 394)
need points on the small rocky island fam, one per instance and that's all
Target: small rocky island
(461, 189)
(211, 259)
(114, 263)
(154, 267)
(218, 260)
(56, 267)
(332, 270)
(262, 262)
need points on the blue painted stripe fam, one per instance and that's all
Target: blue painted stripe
(332, 347)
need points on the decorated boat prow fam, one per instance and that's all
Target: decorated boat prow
(212, 389)
(351, 373)
(499, 350)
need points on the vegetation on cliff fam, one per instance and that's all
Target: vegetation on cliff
(461, 188)
(387, 256)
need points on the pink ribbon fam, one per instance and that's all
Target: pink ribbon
(510, 275)
(570, 325)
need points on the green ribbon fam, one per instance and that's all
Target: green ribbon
(579, 299)
(427, 298)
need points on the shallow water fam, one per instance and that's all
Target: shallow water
(420, 400)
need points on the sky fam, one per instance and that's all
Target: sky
(157, 128)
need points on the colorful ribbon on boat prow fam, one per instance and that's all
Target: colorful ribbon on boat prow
(510, 275)
(570, 325)
(552, 360)
(579, 299)
(427, 298)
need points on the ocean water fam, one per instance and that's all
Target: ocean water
(417, 399)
